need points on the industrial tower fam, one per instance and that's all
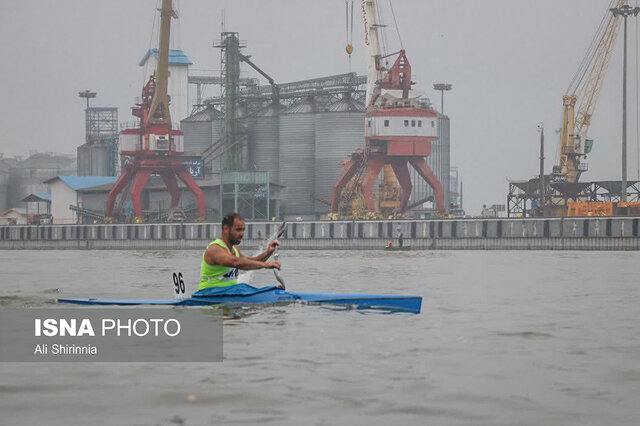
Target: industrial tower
(99, 155)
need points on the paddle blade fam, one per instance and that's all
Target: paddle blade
(279, 278)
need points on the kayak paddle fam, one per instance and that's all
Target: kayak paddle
(276, 272)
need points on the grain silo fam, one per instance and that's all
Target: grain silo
(201, 130)
(28, 176)
(339, 131)
(4, 189)
(93, 159)
(296, 156)
(264, 136)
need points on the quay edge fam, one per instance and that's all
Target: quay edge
(601, 233)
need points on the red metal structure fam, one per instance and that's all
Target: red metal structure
(399, 132)
(154, 147)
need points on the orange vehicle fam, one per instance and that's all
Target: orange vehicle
(628, 209)
(602, 208)
(589, 208)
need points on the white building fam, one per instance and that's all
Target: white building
(65, 191)
(14, 216)
(178, 88)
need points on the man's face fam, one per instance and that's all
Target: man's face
(236, 232)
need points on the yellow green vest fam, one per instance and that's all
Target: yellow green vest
(216, 275)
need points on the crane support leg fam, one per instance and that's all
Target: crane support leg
(427, 174)
(120, 185)
(140, 180)
(171, 183)
(186, 177)
(374, 165)
(401, 171)
(348, 171)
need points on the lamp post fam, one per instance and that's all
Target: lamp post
(624, 11)
(442, 87)
(88, 94)
(542, 186)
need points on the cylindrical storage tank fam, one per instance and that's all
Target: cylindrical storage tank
(339, 131)
(4, 188)
(93, 160)
(201, 130)
(29, 176)
(296, 157)
(439, 162)
(263, 131)
(217, 128)
(242, 121)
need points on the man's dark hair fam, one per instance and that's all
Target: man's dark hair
(230, 218)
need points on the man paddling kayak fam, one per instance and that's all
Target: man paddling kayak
(219, 285)
(222, 259)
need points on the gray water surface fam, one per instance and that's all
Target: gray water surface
(504, 338)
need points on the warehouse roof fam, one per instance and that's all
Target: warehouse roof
(37, 196)
(83, 182)
(19, 210)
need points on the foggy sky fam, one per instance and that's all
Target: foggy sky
(509, 62)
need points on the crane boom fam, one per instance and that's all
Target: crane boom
(575, 122)
(159, 110)
(372, 28)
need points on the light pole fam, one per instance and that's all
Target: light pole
(624, 11)
(442, 87)
(542, 186)
(88, 94)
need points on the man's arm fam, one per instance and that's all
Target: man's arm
(216, 255)
(262, 257)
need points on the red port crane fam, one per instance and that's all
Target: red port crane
(399, 130)
(153, 145)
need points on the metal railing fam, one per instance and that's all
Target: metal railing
(136, 125)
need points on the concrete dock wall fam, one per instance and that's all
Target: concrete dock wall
(465, 234)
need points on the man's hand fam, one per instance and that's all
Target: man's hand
(272, 265)
(262, 257)
(273, 244)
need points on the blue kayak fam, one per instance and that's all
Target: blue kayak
(243, 295)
